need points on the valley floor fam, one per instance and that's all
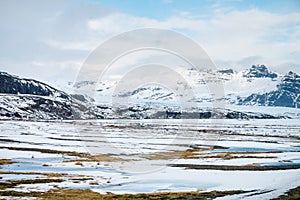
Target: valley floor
(223, 159)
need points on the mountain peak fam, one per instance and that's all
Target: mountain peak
(259, 71)
(292, 75)
(290, 82)
(287, 93)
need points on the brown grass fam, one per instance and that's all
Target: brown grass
(5, 162)
(293, 194)
(11, 184)
(168, 155)
(199, 154)
(73, 194)
(99, 158)
(51, 151)
(252, 165)
(55, 175)
(79, 164)
(49, 175)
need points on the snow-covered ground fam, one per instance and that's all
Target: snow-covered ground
(133, 156)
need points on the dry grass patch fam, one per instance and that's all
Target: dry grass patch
(49, 175)
(109, 158)
(13, 183)
(169, 155)
(200, 154)
(55, 175)
(252, 165)
(100, 158)
(5, 162)
(293, 194)
(51, 151)
(73, 194)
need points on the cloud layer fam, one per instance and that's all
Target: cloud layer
(44, 40)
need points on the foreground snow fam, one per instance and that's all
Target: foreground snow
(139, 155)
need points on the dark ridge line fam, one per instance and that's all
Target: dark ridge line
(32, 143)
(70, 153)
(259, 193)
(236, 168)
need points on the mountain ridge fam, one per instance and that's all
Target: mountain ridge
(287, 94)
(30, 99)
(12, 84)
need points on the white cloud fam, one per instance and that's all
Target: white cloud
(59, 35)
(227, 36)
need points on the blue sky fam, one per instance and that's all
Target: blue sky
(161, 9)
(50, 40)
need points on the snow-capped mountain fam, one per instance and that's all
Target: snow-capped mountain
(287, 94)
(30, 99)
(259, 71)
(237, 86)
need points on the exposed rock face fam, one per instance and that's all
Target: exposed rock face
(31, 99)
(290, 83)
(259, 71)
(286, 95)
(226, 71)
(34, 107)
(15, 85)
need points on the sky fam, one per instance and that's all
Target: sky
(50, 40)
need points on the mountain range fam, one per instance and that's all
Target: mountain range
(22, 98)
(255, 86)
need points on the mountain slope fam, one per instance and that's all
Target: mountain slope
(15, 85)
(30, 99)
(286, 95)
(34, 107)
